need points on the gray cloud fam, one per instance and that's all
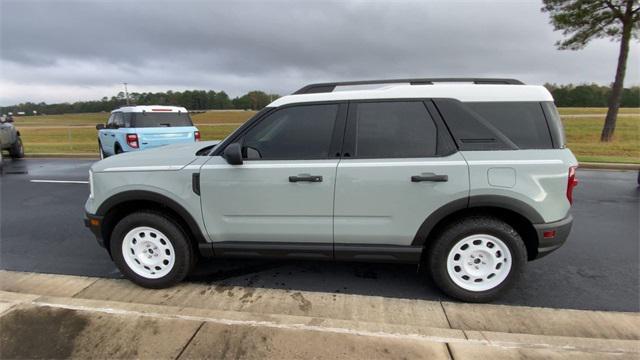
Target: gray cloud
(69, 50)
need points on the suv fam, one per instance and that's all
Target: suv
(469, 177)
(143, 127)
(10, 139)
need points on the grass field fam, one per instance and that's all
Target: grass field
(76, 134)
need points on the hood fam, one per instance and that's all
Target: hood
(169, 157)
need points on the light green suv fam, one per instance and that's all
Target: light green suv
(469, 177)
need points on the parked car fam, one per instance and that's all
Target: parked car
(468, 177)
(144, 127)
(10, 139)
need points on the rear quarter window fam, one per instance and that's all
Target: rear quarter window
(524, 123)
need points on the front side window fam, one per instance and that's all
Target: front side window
(295, 133)
(394, 130)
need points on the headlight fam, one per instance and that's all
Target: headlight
(90, 184)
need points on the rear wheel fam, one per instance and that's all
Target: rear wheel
(477, 258)
(151, 250)
(117, 149)
(17, 149)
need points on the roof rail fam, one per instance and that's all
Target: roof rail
(330, 87)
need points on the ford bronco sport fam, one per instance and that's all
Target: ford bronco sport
(133, 128)
(468, 177)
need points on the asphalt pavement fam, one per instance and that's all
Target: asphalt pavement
(41, 230)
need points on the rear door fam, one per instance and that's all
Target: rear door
(399, 165)
(282, 194)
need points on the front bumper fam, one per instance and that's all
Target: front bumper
(560, 230)
(94, 223)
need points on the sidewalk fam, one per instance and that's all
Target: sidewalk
(66, 316)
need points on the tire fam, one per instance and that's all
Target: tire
(494, 253)
(155, 262)
(17, 149)
(117, 149)
(102, 154)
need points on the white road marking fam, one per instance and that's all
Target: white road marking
(60, 181)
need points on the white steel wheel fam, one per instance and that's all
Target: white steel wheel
(148, 252)
(479, 262)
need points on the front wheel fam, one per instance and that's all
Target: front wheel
(17, 149)
(102, 154)
(476, 259)
(151, 250)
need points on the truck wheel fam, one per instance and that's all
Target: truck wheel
(476, 258)
(102, 154)
(17, 149)
(117, 149)
(151, 250)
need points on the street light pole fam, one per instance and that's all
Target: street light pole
(126, 93)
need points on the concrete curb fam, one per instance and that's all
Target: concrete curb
(467, 330)
(374, 331)
(63, 156)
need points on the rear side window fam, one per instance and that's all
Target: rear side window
(393, 130)
(294, 133)
(523, 123)
(156, 119)
(555, 124)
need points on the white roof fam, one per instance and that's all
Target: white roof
(151, 108)
(462, 92)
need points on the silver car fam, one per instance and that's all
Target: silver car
(468, 177)
(10, 139)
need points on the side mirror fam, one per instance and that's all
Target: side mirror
(99, 126)
(233, 154)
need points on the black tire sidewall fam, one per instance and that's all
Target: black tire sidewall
(17, 150)
(439, 252)
(184, 255)
(102, 154)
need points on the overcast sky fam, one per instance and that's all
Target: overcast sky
(56, 51)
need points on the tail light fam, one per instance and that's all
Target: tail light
(572, 183)
(132, 140)
(196, 135)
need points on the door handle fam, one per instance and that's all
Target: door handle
(305, 177)
(113, 135)
(430, 177)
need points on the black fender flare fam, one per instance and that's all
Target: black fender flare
(143, 195)
(476, 201)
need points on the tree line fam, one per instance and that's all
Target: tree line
(190, 99)
(591, 95)
(585, 95)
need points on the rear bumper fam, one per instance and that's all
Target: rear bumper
(548, 243)
(94, 223)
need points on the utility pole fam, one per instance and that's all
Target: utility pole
(126, 93)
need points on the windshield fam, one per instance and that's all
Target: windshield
(152, 119)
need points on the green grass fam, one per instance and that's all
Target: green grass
(583, 138)
(594, 110)
(74, 133)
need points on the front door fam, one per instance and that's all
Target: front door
(283, 192)
(400, 168)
